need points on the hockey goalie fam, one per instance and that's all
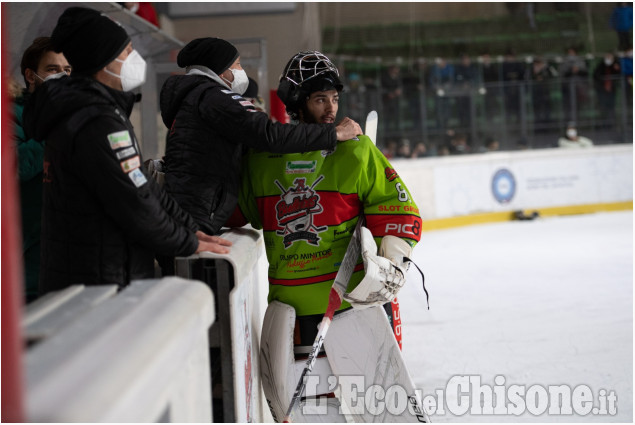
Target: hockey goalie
(309, 206)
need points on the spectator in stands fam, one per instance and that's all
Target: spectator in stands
(356, 98)
(441, 79)
(419, 151)
(571, 139)
(513, 76)
(211, 126)
(144, 10)
(626, 64)
(372, 95)
(390, 150)
(39, 63)
(103, 220)
(542, 75)
(251, 94)
(622, 23)
(491, 145)
(491, 84)
(459, 145)
(606, 77)
(413, 85)
(574, 84)
(465, 79)
(404, 151)
(391, 98)
(522, 144)
(443, 149)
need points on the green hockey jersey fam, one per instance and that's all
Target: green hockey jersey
(308, 205)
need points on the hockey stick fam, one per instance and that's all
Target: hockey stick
(371, 126)
(335, 300)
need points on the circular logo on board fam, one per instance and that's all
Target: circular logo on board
(503, 186)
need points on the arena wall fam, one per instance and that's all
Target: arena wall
(478, 188)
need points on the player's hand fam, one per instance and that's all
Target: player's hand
(214, 244)
(347, 129)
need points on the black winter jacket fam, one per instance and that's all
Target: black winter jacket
(103, 218)
(211, 128)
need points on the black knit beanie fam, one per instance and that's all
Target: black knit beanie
(214, 53)
(88, 39)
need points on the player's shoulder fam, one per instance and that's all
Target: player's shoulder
(361, 143)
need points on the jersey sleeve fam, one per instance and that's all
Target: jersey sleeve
(107, 159)
(246, 198)
(388, 205)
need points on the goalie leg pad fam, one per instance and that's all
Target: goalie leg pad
(280, 372)
(361, 348)
(276, 357)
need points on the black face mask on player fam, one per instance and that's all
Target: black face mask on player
(304, 74)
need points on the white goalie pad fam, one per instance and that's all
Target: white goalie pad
(385, 273)
(374, 383)
(280, 372)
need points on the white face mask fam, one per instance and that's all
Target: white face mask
(572, 134)
(52, 76)
(608, 61)
(133, 71)
(241, 81)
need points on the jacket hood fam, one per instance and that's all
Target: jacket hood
(54, 102)
(174, 90)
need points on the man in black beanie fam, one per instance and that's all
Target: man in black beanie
(103, 219)
(211, 126)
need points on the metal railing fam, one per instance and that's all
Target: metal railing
(524, 113)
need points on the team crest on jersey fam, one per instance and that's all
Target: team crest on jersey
(295, 211)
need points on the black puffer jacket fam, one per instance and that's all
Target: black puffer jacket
(103, 219)
(210, 129)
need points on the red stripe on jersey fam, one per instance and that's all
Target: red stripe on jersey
(309, 280)
(400, 225)
(396, 322)
(335, 208)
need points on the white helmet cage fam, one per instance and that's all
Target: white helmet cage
(306, 65)
(298, 79)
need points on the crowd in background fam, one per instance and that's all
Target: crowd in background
(465, 104)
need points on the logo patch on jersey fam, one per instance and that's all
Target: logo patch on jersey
(125, 153)
(328, 152)
(295, 210)
(246, 103)
(237, 96)
(391, 174)
(130, 164)
(300, 167)
(120, 139)
(228, 92)
(137, 177)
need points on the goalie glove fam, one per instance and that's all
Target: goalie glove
(385, 273)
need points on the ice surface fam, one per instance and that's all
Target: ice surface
(544, 302)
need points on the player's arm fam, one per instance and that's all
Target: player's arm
(393, 222)
(106, 158)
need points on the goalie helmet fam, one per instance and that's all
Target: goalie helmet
(305, 73)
